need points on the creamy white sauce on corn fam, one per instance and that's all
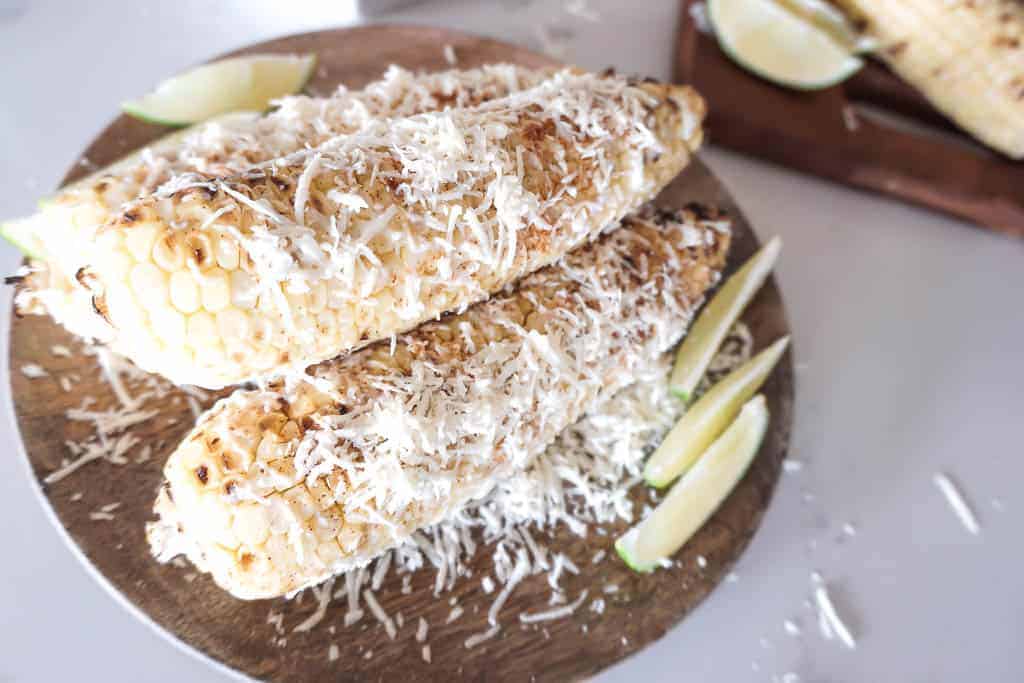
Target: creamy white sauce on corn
(278, 489)
(217, 281)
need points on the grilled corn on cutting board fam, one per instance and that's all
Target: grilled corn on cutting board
(102, 506)
(873, 132)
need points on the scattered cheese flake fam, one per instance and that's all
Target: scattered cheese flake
(582, 9)
(831, 619)
(379, 613)
(425, 652)
(699, 15)
(322, 593)
(333, 653)
(33, 371)
(956, 501)
(421, 630)
(478, 638)
(850, 119)
(557, 613)
(60, 350)
(702, 561)
(449, 55)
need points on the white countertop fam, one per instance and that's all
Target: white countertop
(909, 342)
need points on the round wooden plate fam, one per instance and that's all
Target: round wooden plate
(236, 633)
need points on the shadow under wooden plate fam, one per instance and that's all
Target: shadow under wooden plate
(236, 633)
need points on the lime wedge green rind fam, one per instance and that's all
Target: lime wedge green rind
(700, 492)
(717, 318)
(622, 549)
(708, 417)
(234, 84)
(788, 48)
(21, 234)
(682, 395)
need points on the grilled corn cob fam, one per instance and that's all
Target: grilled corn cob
(965, 56)
(64, 230)
(277, 489)
(214, 282)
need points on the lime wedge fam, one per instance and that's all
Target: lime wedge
(236, 84)
(698, 494)
(714, 322)
(708, 417)
(794, 49)
(22, 233)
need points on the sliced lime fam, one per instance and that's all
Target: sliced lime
(714, 322)
(698, 494)
(795, 49)
(708, 417)
(236, 84)
(22, 233)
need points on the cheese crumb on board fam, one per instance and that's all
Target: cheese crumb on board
(33, 371)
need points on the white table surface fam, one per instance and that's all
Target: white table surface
(908, 338)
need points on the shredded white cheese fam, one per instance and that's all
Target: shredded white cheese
(830, 618)
(957, 503)
(34, 371)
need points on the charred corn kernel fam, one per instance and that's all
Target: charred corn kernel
(388, 443)
(360, 223)
(966, 57)
(67, 224)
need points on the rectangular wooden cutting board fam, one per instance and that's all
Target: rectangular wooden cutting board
(851, 134)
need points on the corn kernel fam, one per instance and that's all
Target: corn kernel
(226, 250)
(169, 253)
(149, 284)
(139, 241)
(216, 292)
(184, 292)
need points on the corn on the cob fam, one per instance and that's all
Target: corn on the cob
(966, 57)
(66, 224)
(277, 489)
(214, 282)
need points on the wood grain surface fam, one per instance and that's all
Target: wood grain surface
(236, 633)
(830, 133)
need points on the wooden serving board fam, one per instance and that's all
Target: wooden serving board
(833, 133)
(236, 633)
